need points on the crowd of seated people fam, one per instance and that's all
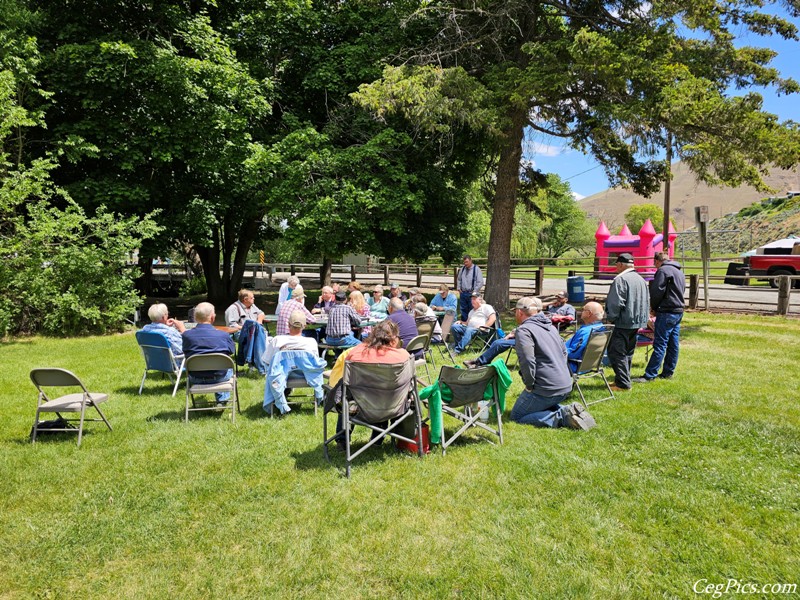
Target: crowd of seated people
(398, 315)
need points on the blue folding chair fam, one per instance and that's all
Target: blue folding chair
(158, 356)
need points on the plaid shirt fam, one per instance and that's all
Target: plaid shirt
(341, 320)
(282, 327)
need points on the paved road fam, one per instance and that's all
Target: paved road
(721, 297)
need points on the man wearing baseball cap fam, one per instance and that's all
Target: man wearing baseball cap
(543, 369)
(288, 307)
(628, 308)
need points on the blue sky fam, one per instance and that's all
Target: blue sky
(586, 177)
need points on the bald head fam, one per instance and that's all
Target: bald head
(592, 312)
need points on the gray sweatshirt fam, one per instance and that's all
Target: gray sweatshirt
(542, 357)
(628, 301)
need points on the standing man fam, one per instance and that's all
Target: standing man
(627, 308)
(543, 369)
(666, 299)
(206, 339)
(469, 280)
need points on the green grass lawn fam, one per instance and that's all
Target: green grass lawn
(688, 479)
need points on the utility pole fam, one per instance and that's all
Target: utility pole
(667, 181)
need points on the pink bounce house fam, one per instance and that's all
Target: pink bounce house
(642, 246)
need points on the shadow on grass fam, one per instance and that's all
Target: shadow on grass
(314, 459)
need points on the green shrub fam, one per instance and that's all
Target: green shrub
(193, 286)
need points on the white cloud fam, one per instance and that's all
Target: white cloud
(533, 148)
(578, 196)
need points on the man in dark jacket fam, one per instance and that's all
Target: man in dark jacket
(543, 369)
(666, 299)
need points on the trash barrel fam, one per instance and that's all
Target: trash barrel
(575, 288)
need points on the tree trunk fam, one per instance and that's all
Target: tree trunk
(503, 206)
(325, 271)
(144, 283)
(223, 287)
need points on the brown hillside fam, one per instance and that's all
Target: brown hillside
(611, 205)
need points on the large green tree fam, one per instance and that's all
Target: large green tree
(612, 79)
(167, 114)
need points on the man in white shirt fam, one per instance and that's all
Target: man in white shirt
(294, 341)
(481, 315)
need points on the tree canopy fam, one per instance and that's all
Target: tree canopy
(612, 79)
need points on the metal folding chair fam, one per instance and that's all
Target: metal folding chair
(68, 403)
(211, 362)
(158, 356)
(415, 345)
(591, 365)
(444, 348)
(288, 363)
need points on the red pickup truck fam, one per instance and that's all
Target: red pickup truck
(772, 266)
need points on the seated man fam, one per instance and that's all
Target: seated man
(561, 314)
(592, 318)
(291, 305)
(481, 315)
(293, 341)
(445, 300)
(341, 321)
(242, 310)
(171, 328)
(543, 369)
(395, 292)
(406, 325)
(206, 339)
(495, 349)
(326, 301)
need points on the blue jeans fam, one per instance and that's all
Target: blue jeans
(541, 411)
(220, 396)
(496, 349)
(666, 345)
(345, 341)
(465, 303)
(462, 335)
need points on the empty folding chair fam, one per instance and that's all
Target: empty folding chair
(69, 403)
(444, 349)
(371, 396)
(415, 345)
(467, 388)
(211, 362)
(426, 326)
(158, 356)
(591, 365)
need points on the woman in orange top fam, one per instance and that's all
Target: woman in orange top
(383, 346)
